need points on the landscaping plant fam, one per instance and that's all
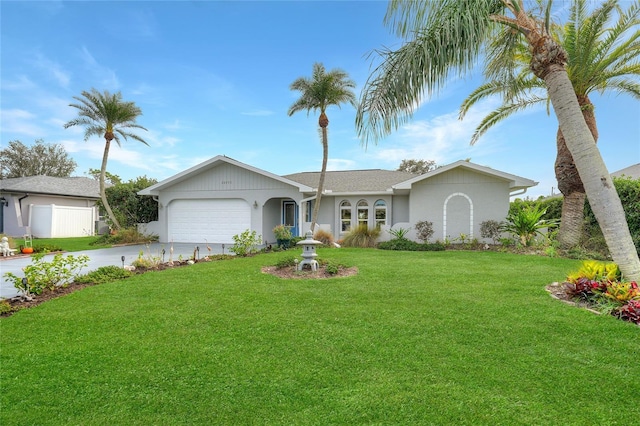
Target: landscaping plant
(361, 236)
(246, 243)
(601, 286)
(425, 230)
(41, 275)
(525, 223)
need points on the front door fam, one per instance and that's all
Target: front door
(290, 216)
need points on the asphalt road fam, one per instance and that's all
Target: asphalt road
(106, 257)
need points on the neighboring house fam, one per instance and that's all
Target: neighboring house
(48, 207)
(222, 197)
(632, 171)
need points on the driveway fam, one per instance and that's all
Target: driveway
(106, 257)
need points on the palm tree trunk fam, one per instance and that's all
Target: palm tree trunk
(570, 184)
(325, 156)
(103, 193)
(597, 182)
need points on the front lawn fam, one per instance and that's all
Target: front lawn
(66, 244)
(460, 338)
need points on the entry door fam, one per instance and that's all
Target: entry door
(290, 216)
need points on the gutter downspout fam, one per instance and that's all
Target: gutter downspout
(21, 223)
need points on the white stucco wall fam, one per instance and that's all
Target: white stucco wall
(457, 202)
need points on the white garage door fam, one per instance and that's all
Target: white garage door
(217, 221)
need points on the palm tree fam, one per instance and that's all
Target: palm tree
(450, 35)
(599, 58)
(317, 93)
(106, 114)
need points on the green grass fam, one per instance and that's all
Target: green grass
(442, 338)
(67, 244)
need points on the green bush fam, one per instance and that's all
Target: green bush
(125, 236)
(408, 245)
(524, 223)
(361, 236)
(41, 275)
(246, 243)
(286, 262)
(104, 274)
(629, 192)
(5, 307)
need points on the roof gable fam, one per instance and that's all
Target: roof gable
(69, 186)
(515, 182)
(632, 171)
(212, 163)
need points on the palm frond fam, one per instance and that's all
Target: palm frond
(503, 112)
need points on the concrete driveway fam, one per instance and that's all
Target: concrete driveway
(106, 257)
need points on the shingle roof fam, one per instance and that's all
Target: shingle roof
(374, 180)
(632, 171)
(71, 186)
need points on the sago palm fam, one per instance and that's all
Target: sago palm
(317, 93)
(106, 115)
(600, 58)
(450, 35)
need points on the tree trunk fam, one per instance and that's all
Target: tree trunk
(597, 182)
(570, 184)
(325, 156)
(103, 193)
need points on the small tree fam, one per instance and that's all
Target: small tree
(129, 207)
(491, 229)
(19, 160)
(418, 167)
(424, 230)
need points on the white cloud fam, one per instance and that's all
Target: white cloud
(106, 76)
(20, 122)
(334, 164)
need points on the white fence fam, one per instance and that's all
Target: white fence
(52, 221)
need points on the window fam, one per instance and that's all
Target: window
(308, 211)
(363, 213)
(380, 212)
(345, 216)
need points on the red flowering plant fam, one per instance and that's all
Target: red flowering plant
(602, 287)
(629, 312)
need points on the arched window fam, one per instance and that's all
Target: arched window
(345, 216)
(380, 213)
(363, 213)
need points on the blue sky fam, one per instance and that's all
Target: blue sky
(213, 78)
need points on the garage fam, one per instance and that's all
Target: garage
(215, 221)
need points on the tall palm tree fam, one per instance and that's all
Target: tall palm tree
(600, 58)
(450, 35)
(317, 93)
(107, 115)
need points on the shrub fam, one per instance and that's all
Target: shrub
(399, 233)
(425, 230)
(147, 261)
(282, 233)
(525, 223)
(286, 262)
(408, 245)
(491, 229)
(629, 312)
(361, 236)
(246, 243)
(5, 307)
(332, 267)
(125, 236)
(104, 274)
(42, 275)
(324, 236)
(629, 192)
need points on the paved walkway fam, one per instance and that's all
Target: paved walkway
(105, 257)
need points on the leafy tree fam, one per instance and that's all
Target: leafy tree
(109, 178)
(601, 57)
(317, 93)
(418, 167)
(19, 160)
(129, 207)
(107, 115)
(449, 35)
